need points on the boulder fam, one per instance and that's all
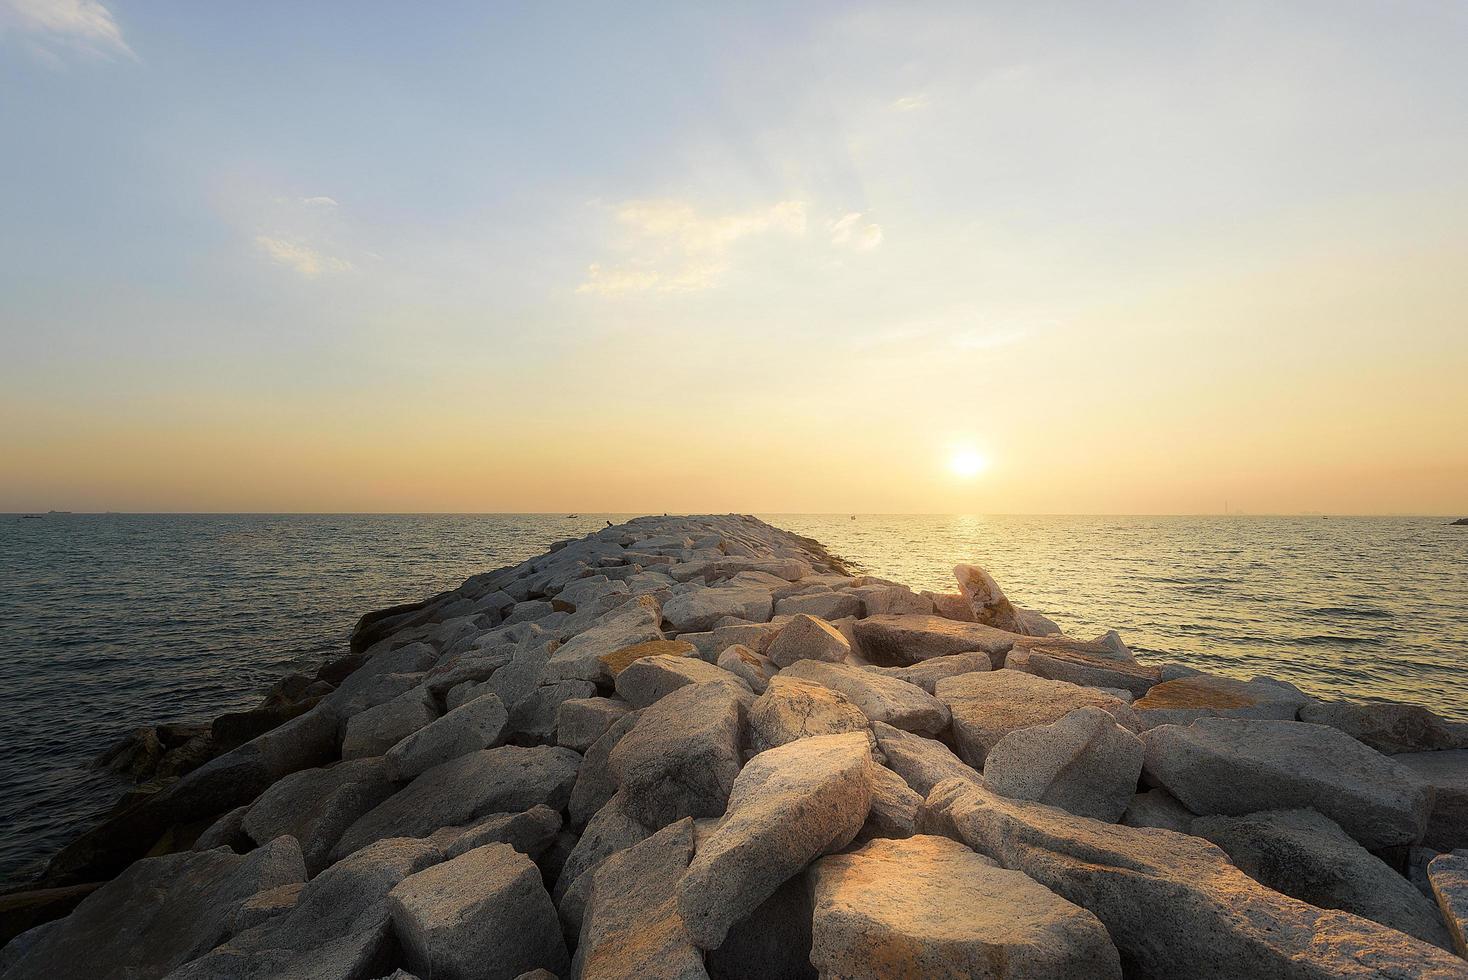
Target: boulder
(1235, 766)
(158, 914)
(771, 943)
(484, 914)
(596, 782)
(928, 673)
(1447, 773)
(1183, 701)
(921, 762)
(1083, 763)
(824, 605)
(681, 758)
(477, 668)
(631, 929)
(479, 724)
(377, 729)
(650, 679)
(885, 699)
(894, 808)
(612, 829)
(792, 709)
(930, 907)
(1448, 875)
(788, 806)
(1158, 808)
(316, 806)
(755, 669)
(619, 660)
(530, 832)
(986, 707)
(265, 905)
(886, 600)
(1086, 670)
(1308, 856)
(581, 721)
(909, 638)
(700, 609)
(533, 719)
(1389, 727)
(987, 601)
(808, 638)
(1173, 905)
(501, 780)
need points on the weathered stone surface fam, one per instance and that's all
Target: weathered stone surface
(825, 605)
(651, 679)
(930, 907)
(887, 600)
(581, 721)
(533, 720)
(788, 806)
(899, 640)
(928, 673)
(986, 707)
(1389, 727)
(1235, 766)
(374, 731)
(1182, 701)
(808, 638)
(501, 780)
(792, 708)
(681, 758)
(158, 914)
(1447, 774)
(479, 724)
(894, 807)
(986, 599)
(922, 762)
(755, 669)
(475, 668)
(265, 905)
(316, 806)
(596, 783)
(1173, 905)
(1158, 808)
(579, 658)
(612, 829)
(484, 914)
(619, 660)
(1309, 857)
(1448, 875)
(1083, 763)
(530, 832)
(228, 831)
(885, 699)
(631, 929)
(700, 609)
(771, 943)
(1088, 670)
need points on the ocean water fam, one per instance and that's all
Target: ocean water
(108, 622)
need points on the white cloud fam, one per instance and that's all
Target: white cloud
(82, 25)
(852, 232)
(304, 259)
(671, 247)
(910, 103)
(319, 202)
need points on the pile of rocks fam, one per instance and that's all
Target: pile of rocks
(704, 747)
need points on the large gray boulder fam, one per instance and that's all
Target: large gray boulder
(484, 914)
(885, 699)
(1308, 856)
(1076, 663)
(922, 762)
(500, 780)
(755, 669)
(316, 806)
(930, 907)
(908, 638)
(650, 679)
(631, 929)
(1174, 906)
(808, 638)
(479, 724)
(579, 658)
(596, 782)
(533, 719)
(1083, 762)
(826, 605)
(988, 706)
(581, 721)
(531, 832)
(792, 708)
(1236, 766)
(681, 758)
(612, 829)
(700, 609)
(1389, 727)
(1448, 876)
(1447, 773)
(928, 673)
(157, 915)
(374, 731)
(789, 806)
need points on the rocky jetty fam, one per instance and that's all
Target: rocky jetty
(702, 747)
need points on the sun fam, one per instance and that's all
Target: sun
(967, 463)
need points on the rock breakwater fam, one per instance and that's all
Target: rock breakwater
(705, 747)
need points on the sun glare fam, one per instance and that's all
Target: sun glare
(967, 463)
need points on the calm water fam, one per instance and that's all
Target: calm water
(112, 621)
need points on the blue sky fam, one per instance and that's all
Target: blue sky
(1132, 253)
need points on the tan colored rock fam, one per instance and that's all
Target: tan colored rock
(1448, 875)
(921, 762)
(1447, 773)
(930, 907)
(1083, 763)
(808, 638)
(650, 679)
(1059, 663)
(755, 669)
(792, 708)
(928, 673)
(1186, 699)
(1389, 727)
(900, 640)
(885, 699)
(620, 659)
(580, 658)
(987, 600)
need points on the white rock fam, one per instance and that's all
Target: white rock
(374, 731)
(808, 638)
(1083, 763)
(480, 724)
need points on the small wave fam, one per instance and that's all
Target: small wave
(1348, 612)
(1338, 641)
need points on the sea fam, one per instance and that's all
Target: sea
(113, 621)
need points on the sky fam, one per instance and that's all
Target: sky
(941, 258)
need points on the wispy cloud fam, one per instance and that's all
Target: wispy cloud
(669, 246)
(319, 202)
(305, 260)
(84, 26)
(911, 103)
(851, 231)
